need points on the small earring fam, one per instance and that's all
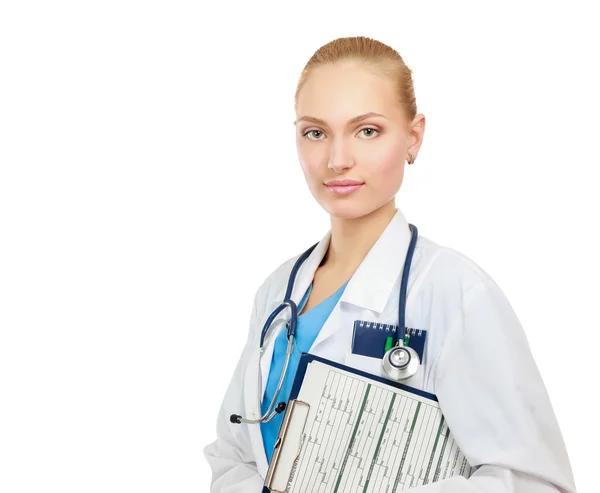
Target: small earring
(411, 158)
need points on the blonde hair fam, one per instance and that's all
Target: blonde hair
(370, 52)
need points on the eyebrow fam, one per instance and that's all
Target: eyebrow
(354, 120)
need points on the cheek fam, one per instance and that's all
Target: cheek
(389, 170)
(310, 162)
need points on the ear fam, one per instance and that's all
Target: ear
(416, 133)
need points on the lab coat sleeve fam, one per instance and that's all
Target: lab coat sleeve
(496, 404)
(230, 456)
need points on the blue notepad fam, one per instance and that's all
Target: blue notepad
(369, 338)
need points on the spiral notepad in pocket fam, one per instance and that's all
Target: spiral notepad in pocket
(369, 338)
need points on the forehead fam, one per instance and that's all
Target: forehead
(342, 91)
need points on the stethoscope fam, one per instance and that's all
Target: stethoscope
(399, 363)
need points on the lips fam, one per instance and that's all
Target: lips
(344, 187)
(343, 183)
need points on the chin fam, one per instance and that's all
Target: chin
(348, 209)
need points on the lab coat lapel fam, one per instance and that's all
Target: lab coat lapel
(372, 283)
(252, 411)
(304, 277)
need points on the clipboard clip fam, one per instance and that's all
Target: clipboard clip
(287, 447)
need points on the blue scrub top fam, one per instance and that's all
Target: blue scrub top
(307, 328)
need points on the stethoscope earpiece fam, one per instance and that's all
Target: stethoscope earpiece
(237, 419)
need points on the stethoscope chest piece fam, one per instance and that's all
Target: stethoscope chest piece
(401, 362)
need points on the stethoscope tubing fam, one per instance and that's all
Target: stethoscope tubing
(291, 325)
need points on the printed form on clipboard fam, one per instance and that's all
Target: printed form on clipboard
(347, 431)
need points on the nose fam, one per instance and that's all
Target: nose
(340, 157)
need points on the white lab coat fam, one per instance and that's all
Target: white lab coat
(477, 362)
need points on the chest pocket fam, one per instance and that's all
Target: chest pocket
(368, 349)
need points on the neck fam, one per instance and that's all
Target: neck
(351, 239)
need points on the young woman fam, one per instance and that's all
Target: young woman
(356, 125)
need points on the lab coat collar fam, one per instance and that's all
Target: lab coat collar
(373, 281)
(371, 285)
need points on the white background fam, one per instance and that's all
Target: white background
(149, 183)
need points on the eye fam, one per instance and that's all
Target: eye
(313, 135)
(369, 132)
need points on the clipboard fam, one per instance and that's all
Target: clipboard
(292, 437)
